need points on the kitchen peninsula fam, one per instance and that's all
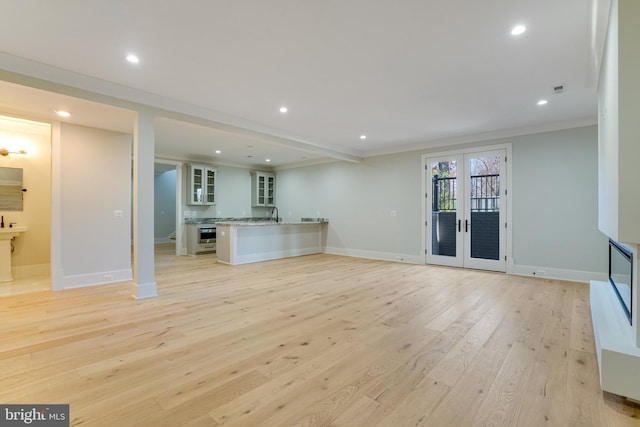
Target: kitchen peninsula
(246, 242)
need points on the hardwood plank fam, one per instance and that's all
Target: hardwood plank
(364, 412)
(314, 340)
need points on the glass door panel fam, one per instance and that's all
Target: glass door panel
(485, 234)
(443, 217)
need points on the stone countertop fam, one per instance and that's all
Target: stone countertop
(265, 223)
(252, 221)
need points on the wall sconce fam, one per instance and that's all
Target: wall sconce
(4, 152)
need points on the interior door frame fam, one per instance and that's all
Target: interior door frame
(507, 188)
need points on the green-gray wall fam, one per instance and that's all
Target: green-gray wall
(554, 190)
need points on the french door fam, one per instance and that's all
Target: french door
(466, 210)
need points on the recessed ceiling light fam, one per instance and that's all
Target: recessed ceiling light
(542, 102)
(63, 113)
(267, 160)
(363, 136)
(133, 58)
(218, 151)
(283, 109)
(518, 29)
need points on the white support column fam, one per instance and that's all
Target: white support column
(57, 272)
(143, 234)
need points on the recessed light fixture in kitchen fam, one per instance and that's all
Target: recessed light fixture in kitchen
(133, 58)
(283, 109)
(63, 113)
(218, 151)
(518, 29)
(267, 160)
(543, 102)
(363, 137)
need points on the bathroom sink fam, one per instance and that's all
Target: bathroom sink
(6, 234)
(10, 232)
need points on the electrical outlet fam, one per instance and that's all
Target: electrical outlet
(394, 213)
(539, 273)
(117, 214)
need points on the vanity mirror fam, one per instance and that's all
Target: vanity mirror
(11, 189)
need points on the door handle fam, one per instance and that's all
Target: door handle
(459, 226)
(466, 225)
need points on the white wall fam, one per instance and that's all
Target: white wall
(95, 181)
(358, 199)
(164, 205)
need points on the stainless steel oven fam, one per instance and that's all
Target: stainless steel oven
(206, 233)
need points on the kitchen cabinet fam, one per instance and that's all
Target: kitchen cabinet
(263, 189)
(202, 185)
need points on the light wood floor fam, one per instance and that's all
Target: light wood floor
(312, 341)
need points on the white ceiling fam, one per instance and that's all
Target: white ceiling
(407, 73)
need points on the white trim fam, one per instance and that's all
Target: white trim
(518, 270)
(557, 273)
(381, 256)
(145, 290)
(57, 272)
(93, 279)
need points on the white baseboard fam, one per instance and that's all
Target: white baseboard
(102, 278)
(145, 290)
(558, 274)
(382, 256)
(518, 270)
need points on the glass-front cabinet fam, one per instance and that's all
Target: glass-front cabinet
(263, 189)
(202, 185)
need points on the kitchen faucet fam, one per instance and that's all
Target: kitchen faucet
(275, 209)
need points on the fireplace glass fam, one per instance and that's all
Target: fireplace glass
(620, 274)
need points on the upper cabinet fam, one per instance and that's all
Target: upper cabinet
(202, 185)
(263, 189)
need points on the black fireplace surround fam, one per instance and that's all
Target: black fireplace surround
(621, 274)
